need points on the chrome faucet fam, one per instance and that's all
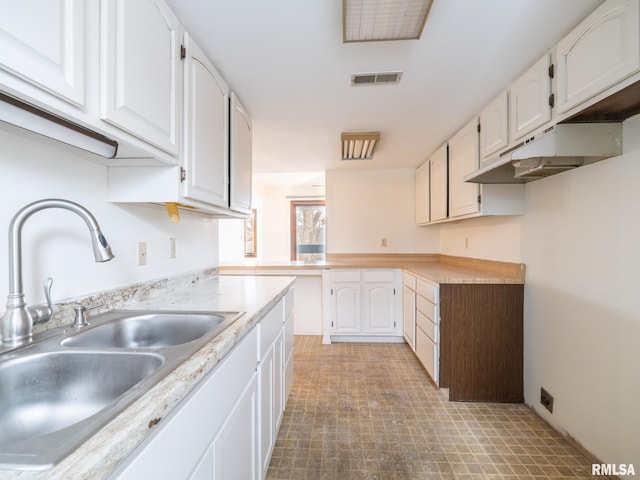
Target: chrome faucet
(18, 320)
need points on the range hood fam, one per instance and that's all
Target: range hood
(562, 147)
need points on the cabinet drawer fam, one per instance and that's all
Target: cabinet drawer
(427, 353)
(378, 275)
(428, 290)
(269, 328)
(345, 275)
(409, 280)
(427, 308)
(288, 338)
(427, 326)
(288, 304)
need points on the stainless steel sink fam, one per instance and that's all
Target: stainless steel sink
(45, 397)
(53, 398)
(148, 330)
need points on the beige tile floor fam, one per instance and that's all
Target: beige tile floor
(368, 411)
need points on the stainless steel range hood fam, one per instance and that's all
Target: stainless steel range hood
(561, 147)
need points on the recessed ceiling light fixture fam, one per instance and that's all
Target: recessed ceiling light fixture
(359, 146)
(374, 20)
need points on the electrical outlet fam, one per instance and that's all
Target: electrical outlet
(172, 247)
(142, 253)
(466, 242)
(383, 242)
(546, 399)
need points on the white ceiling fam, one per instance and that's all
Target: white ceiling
(286, 61)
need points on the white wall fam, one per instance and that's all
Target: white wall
(582, 313)
(364, 206)
(56, 242)
(492, 238)
(579, 241)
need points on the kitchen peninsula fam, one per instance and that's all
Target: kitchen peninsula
(462, 317)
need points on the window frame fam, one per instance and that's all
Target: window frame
(292, 222)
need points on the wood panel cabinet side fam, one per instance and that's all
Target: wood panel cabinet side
(481, 342)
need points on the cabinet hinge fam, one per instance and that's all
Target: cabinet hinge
(183, 52)
(394, 291)
(183, 174)
(479, 199)
(479, 128)
(551, 70)
(394, 324)
(331, 324)
(332, 291)
(552, 100)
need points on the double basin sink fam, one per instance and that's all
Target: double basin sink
(57, 392)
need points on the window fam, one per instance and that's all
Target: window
(307, 230)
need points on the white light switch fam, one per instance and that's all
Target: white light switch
(172, 247)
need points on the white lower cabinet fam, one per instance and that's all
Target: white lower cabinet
(230, 449)
(362, 304)
(227, 426)
(270, 374)
(409, 309)
(427, 319)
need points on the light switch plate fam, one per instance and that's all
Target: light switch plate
(142, 253)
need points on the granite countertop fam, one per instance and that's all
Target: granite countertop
(98, 457)
(434, 268)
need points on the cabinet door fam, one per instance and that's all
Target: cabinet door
(346, 307)
(240, 157)
(141, 85)
(463, 159)
(494, 126)
(206, 130)
(236, 446)
(380, 299)
(48, 54)
(409, 316)
(439, 184)
(278, 381)
(602, 50)
(423, 199)
(529, 100)
(267, 406)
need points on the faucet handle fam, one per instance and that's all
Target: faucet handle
(43, 314)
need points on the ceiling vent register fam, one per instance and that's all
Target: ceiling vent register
(380, 78)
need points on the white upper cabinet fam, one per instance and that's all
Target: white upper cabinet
(529, 100)
(48, 54)
(494, 126)
(423, 194)
(206, 130)
(438, 184)
(240, 157)
(141, 72)
(463, 159)
(602, 50)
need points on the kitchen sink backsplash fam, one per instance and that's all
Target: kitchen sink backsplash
(100, 302)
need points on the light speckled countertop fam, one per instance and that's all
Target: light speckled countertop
(435, 268)
(97, 457)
